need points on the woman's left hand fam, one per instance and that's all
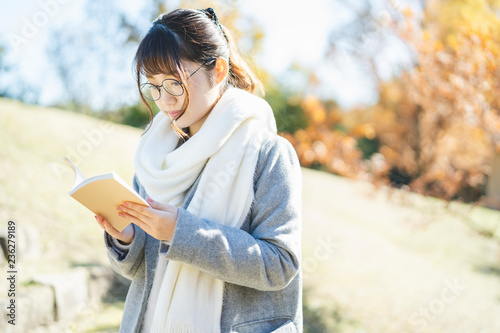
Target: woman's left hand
(159, 220)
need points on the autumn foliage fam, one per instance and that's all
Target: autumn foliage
(319, 144)
(438, 124)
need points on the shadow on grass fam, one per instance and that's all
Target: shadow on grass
(489, 270)
(324, 319)
(317, 319)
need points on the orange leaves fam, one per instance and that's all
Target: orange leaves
(435, 127)
(441, 125)
(407, 12)
(453, 42)
(320, 145)
(364, 130)
(315, 110)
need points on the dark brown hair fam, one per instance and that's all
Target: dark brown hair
(195, 36)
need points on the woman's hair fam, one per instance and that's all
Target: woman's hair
(194, 36)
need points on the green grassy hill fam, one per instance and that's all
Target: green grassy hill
(373, 260)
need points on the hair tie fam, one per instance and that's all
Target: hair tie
(210, 12)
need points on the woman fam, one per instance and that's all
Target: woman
(219, 248)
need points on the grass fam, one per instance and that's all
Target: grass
(394, 253)
(53, 231)
(105, 319)
(35, 181)
(372, 258)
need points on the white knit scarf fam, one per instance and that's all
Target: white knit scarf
(226, 150)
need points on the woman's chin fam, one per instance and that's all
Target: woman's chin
(180, 123)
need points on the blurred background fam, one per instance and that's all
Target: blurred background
(391, 105)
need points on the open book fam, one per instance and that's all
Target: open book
(102, 194)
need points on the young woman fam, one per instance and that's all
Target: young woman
(219, 250)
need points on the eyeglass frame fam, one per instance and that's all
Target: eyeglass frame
(182, 85)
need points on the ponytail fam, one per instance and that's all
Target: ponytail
(240, 74)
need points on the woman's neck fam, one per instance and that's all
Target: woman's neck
(194, 128)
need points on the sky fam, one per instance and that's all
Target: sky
(299, 27)
(296, 31)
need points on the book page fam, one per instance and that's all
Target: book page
(78, 175)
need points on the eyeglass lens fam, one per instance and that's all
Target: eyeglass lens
(152, 92)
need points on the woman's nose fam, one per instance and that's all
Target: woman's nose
(167, 99)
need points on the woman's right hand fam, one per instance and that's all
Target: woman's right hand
(125, 236)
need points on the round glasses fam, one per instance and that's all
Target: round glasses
(171, 86)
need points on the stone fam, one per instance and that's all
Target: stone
(35, 307)
(70, 289)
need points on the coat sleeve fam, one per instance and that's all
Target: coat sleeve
(126, 260)
(268, 256)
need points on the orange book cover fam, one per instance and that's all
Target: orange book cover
(102, 193)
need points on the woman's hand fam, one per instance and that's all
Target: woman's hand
(159, 220)
(126, 235)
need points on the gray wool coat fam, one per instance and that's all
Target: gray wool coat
(260, 263)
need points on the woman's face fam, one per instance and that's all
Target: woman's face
(202, 98)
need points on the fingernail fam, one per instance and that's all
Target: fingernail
(121, 214)
(119, 208)
(125, 204)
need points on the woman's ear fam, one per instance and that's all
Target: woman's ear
(222, 69)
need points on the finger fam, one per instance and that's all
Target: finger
(110, 229)
(136, 210)
(98, 218)
(135, 220)
(139, 209)
(156, 205)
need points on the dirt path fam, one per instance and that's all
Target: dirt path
(407, 264)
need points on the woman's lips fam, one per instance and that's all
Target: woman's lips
(173, 114)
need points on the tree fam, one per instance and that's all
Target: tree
(439, 122)
(93, 55)
(323, 143)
